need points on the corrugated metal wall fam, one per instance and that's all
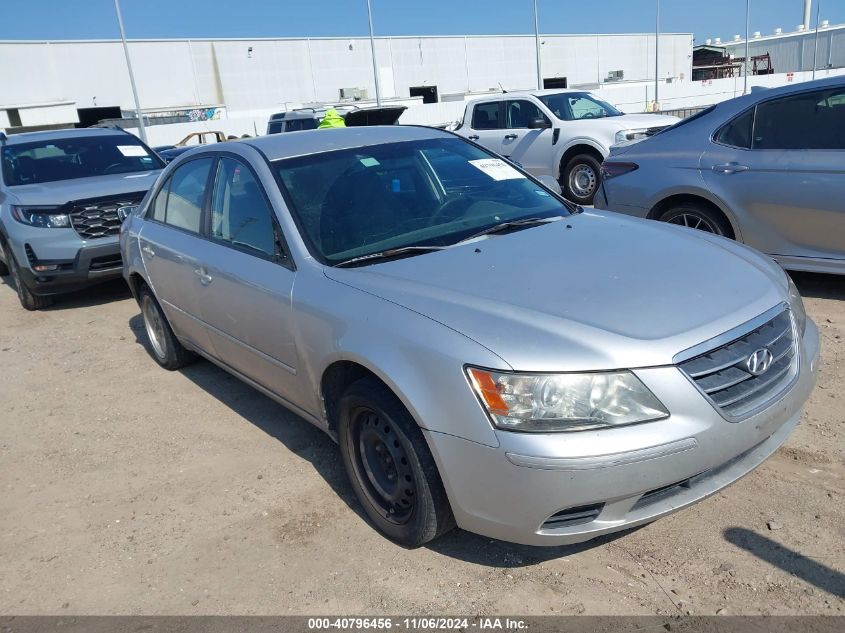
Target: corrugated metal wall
(794, 52)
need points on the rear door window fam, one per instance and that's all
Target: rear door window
(737, 133)
(485, 116)
(185, 193)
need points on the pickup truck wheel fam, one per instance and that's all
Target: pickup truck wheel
(697, 216)
(163, 344)
(28, 300)
(581, 178)
(390, 467)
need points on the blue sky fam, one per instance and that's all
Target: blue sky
(80, 19)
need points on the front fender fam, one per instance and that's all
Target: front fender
(421, 360)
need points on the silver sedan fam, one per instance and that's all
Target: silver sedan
(484, 353)
(766, 169)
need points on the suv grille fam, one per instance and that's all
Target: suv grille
(724, 375)
(97, 217)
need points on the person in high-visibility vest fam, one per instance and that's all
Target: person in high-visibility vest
(332, 119)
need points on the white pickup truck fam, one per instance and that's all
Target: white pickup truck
(565, 134)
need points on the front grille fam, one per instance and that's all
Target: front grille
(573, 516)
(724, 376)
(97, 217)
(104, 262)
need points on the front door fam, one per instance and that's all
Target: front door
(531, 148)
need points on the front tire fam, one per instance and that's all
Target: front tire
(28, 300)
(390, 466)
(162, 343)
(581, 178)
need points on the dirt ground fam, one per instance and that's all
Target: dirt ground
(127, 489)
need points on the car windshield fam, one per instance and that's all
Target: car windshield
(574, 106)
(434, 192)
(75, 157)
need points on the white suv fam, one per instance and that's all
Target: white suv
(565, 134)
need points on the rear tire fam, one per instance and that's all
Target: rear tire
(28, 300)
(162, 343)
(581, 178)
(390, 466)
(696, 215)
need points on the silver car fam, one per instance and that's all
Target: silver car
(766, 169)
(483, 352)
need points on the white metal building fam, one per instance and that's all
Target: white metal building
(793, 52)
(56, 82)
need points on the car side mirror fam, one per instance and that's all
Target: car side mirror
(539, 124)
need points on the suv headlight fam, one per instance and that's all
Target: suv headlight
(549, 403)
(796, 304)
(42, 217)
(631, 135)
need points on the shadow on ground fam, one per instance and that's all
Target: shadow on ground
(99, 294)
(790, 561)
(307, 441)
(819, 286)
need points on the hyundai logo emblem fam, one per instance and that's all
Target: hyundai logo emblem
(123, 212)
(759, 362)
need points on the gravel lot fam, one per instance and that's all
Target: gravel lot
(127, 489)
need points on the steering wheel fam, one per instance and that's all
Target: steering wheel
(451, 210)
(109, 168)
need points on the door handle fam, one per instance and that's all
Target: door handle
(730, 168)
(473, 137)
(148, 251)
(510, 137)
(205, 278)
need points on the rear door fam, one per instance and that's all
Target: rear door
(780, 167)
(246, 282)
(531, 148)
(170, 240)
(488, 125)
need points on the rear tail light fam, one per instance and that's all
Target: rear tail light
(611, 169)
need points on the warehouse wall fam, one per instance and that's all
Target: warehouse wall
(794, 52)
(249, 75)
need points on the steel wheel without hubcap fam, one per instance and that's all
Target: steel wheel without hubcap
(382, 466)
(583, 181)
(154, 323)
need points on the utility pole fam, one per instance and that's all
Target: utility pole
(141, 128)
(373, 52)
(816, 47)
(657, 58)
(747, 27)
(537, 46)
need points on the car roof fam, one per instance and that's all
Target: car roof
(756, 95)
(495, 96)
(277, 146)
(58, 135)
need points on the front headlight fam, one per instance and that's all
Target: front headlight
(41, 217)
(548, 403)
(796, 304)
(630, 135)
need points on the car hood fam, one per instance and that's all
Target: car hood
(61, 192)
(637, 121)
(609, 292)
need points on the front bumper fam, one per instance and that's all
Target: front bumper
(568, 488)
(82, 266)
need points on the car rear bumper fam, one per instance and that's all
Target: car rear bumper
(572, 487)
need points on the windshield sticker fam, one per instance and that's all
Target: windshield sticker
(496, 169)
(369, 161)
(132, 150)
